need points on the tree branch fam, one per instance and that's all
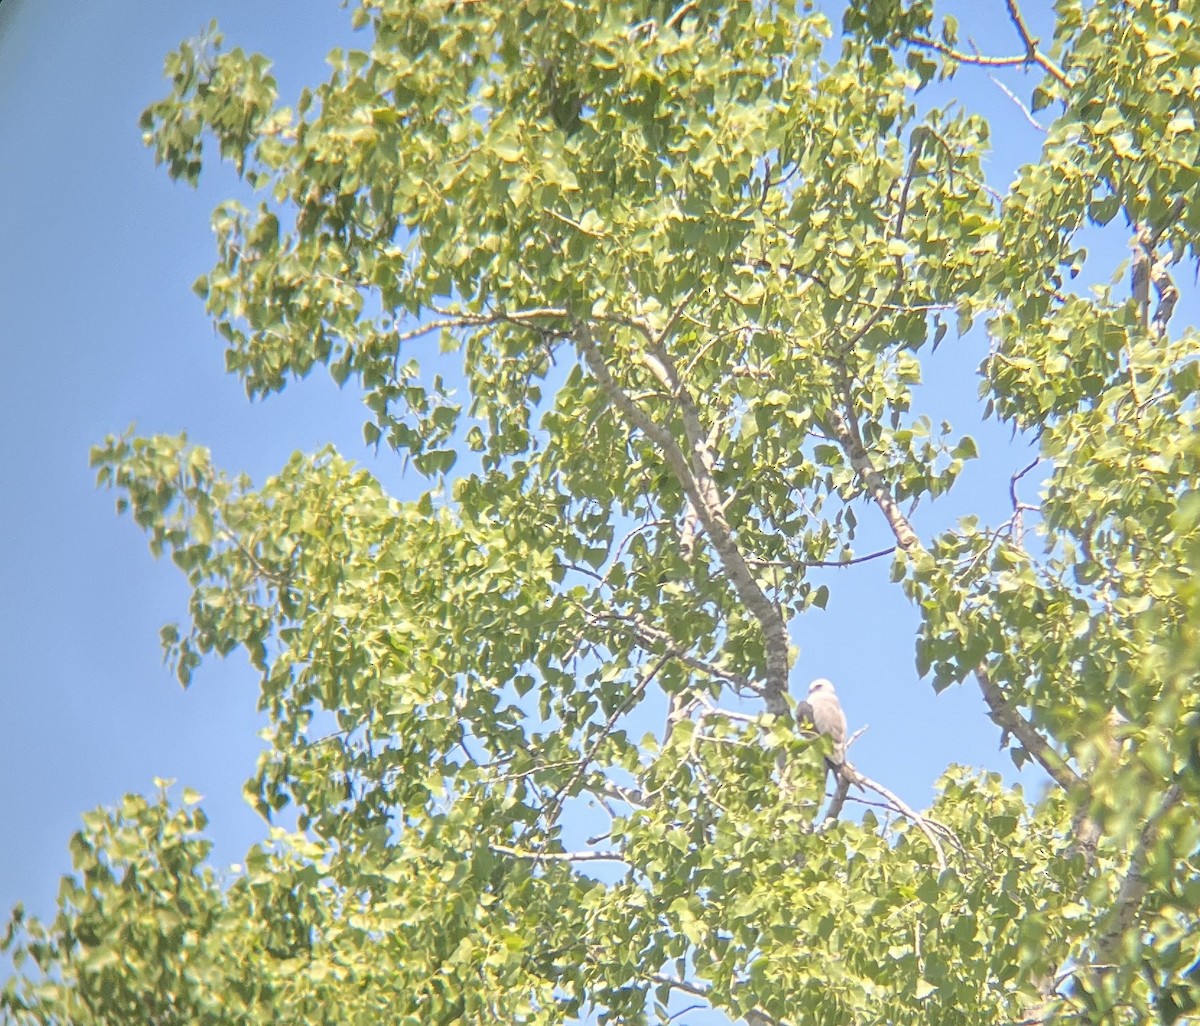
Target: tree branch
(1032, 54)
(694, 471)
(1017, 100)
(1135, 885)
(830, 564)
(1006, 717)
(980, 60)
(558, 856)
(845, 430)
(754, 1017)
(1017, 523)
(682, 985)
(651, 636)
(460, 319)
(556, 802)
(729, 714)
(841, 791)
(903, 809)
(847, 433)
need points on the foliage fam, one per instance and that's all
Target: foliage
(689, 265)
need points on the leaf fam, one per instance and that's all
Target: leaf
(965, 449)
(507, 149)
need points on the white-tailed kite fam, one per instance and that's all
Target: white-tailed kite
(828, 718)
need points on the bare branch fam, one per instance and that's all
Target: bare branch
(839, 794)
(754, 1017)
(664, 643)
(1139, 274)
(1017, 522)
(677, 984)
(461, 319)
(1032, 54)
(632, 412)
(729, 714)
(277, 579)
(677, 18)
(1028, 114)
(1031, 51)
(1017, 475)
(928, 43)
(687, 534)
(625, 795)
(431, 326)
(1131, 895)
(1168, 296)
(572, 223)
(1172, 215)
(681, 707)
(917, 142)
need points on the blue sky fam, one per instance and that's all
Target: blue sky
(99, 328)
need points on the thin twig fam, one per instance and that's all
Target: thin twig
(677, 984)
(679, 15)
(277, 579)
(1012, 485)
(1017, 100)
(1017, 521)
(832, 564)
(915, 817)
(556, 801)
(663, 643)
(573, 224)
(816, 279)
(729, 714)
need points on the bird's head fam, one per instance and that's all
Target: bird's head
(821, 686)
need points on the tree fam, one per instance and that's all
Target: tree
(691, 270)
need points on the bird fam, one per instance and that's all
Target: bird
(827, 717)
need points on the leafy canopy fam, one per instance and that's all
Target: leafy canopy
(683, 265)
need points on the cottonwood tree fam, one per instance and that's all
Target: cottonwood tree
(690, 260)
